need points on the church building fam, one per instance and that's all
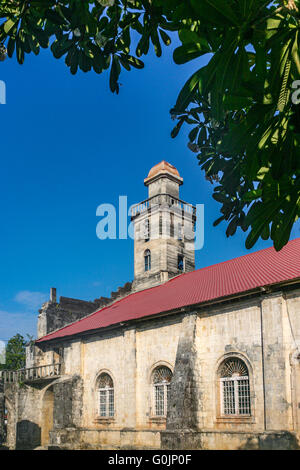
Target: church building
(177, 359)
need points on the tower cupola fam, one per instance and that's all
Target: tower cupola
(163, 178)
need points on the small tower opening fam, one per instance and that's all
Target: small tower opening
(180, 264)
(147, 230)
(147, 257)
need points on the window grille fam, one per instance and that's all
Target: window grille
(147, 256)
(106, 396)
(234, 388)
(161, 379)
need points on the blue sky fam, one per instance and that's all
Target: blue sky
(69, 145)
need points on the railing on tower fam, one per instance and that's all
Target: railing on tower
(162, 199)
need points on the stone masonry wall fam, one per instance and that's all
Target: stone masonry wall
(2, 412)
(184, 397)
(54, 315)
(263, 331)
(67, 403)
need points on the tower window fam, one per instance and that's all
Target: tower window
(180, 232)
(147, 230)
(160, 224)
(147, 256)
(172, 225)
(180, 263)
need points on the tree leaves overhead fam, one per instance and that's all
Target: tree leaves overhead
(88, 34)
(245, 126)
(247, 130)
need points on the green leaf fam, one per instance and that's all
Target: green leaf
(74, 60)
(143, 45)
(124, 62)
(9, 24)
(232, 226)
(232, 102)
(135, 62)
(188, 52)
(219, 220)
(193, 134)
(55, 17)
(251, 195)
(177, 128)
(188, 91)
(11, 47)
(34, 45)
(259, 215)
(216, 12)
(156, 42)
(165, 37)
(19, 51)
(114, 75)
(59, 48)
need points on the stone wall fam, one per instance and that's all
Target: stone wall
(54, 315)
(2, 413)
(67, 403)
(36, 409)
(84, 438)
(10, 397)
(229, 440)
(193, 346)
(262, 330)
(129, 356)
(185, 399)
(23, 427)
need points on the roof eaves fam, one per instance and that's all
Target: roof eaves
(257, 290)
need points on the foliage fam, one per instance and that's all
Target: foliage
(245, 125)
(15, 353)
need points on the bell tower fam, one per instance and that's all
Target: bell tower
(163, 230)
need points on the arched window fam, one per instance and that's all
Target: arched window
(147, 256)
(234, 387)
(161, 378)
(105, 396)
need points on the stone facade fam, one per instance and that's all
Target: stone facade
(55, 315)
(156, 382)
(263, 330)
(2, 413)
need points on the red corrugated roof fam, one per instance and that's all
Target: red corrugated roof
(258, 269)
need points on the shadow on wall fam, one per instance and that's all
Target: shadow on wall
(275, 441)
(281, 440)
(28, 435)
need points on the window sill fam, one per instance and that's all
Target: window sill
(235, 419)
(158, 419)
(104, 419)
